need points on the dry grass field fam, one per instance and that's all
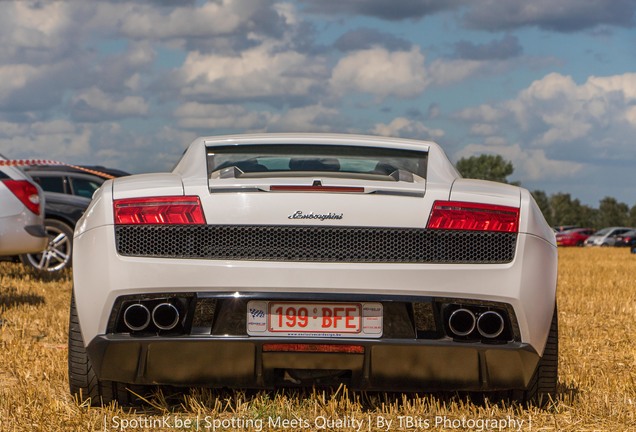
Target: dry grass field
(597, 360)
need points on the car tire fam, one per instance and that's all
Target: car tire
(58, 254)
(83, 382)
(542, 388)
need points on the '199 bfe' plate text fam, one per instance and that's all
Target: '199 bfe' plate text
(314, 319)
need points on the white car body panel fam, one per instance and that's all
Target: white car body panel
(153, 184)
(526, 284)
(15, 217)
(485, 191)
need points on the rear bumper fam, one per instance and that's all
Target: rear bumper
(395, 365)
(18, 238)
(528, 284)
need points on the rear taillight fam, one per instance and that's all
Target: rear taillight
(26, 192)
(456, 215)
(173, 210)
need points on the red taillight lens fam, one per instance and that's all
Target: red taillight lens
(456, 215)
(26, 192)
(173, 210)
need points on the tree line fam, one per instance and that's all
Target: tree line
(558, 209)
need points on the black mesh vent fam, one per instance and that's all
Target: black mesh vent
(315, 244)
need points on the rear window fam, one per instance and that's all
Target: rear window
(294, 159)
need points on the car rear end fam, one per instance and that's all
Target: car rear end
(21, 213)
(626, 239)
(297, 260)
(573, 237)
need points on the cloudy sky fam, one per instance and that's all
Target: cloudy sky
(549, 85)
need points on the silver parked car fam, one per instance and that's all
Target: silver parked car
(606, 236)
(21, 213)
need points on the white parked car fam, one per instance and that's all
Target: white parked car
(606, 236)
(21, 213)
(275, 260)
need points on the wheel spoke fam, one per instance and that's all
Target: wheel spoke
(61, 237)
(47, 263)
(59, 255)
(42, 259)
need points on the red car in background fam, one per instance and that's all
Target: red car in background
(573, 237)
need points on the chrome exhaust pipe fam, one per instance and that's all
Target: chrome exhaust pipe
(490, 324)
(462, 322)
(136, 317)
(165, 316)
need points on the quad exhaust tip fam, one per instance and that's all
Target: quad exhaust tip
(165, 316)
(490, 324)
(462, 322)
(137, 317)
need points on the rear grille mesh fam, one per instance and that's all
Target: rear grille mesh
(315, 244)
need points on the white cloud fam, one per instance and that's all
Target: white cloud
(630, 115)
(405, 128)
(212, 18)
(483, 129)
(530, 164)
(559, 126)
(93, 104)
(313, 118)
(446, 72)
(194, 115)
(56, 139)
(624, 84)
(14, 77)
(495, 141)
(34, 29)
(482, 113)
(555, 109)
(267, 70)
(382, 73)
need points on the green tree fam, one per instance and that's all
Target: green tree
(567, 211)
(485, 167)
(588, 217)
(612, 213)
(632, 216)
(544, 204)
(564, 209)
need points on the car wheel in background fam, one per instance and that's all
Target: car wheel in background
(58, 254)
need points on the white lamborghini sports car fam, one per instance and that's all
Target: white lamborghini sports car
(274, 260)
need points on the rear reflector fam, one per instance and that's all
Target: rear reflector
(456, 215)
(333, 189)
(319, 348)
(26, 192)
(173, 210)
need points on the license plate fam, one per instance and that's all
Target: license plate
(314, 319)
